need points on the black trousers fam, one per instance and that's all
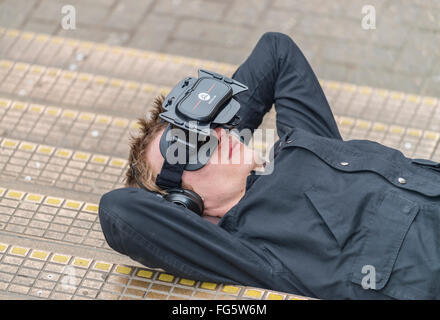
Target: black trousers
(276, 72)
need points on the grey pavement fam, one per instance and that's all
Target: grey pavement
(400, 54)
(63, 131)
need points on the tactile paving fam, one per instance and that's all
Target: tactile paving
(51, 275)
(114, 61)
(64, 168)
(96, 173)
(77, 90)
(68, 221)
(67, 108)
(71, 128)
(412, 142)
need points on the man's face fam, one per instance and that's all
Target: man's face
(222, 181)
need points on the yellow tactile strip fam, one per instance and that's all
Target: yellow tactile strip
(50, 218)
(390, 107)
(102, 58)
(65, 168)
(74, 129)
(145, 65)
(87, 91)
(346, 100)
(60, 85)
(81, 90)
(77, 90)
(414, 143)
(50, 275)
(96, 173)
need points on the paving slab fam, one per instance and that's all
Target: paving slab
(69, 100)
(403, 44)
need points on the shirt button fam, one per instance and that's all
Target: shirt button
(401, 180)
(406, 209)
(344, 163)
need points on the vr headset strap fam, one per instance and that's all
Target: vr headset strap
(170, 176)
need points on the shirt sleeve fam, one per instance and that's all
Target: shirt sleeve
(277, 72)
(160, 234)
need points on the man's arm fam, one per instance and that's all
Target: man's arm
(277, 72)
(160, 234)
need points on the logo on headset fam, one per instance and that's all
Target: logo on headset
(204, 96)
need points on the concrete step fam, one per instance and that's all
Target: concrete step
(88, 174)
(53, 248)
(67, 108)
(412, 142)
(63, 127)
(48, 76)
(79, 91)
(377, 105)
(51, 218)
(69, 128)
(77, 172)
(34, 273)
(120, 98)
(99, 58)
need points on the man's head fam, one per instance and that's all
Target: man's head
(221, 182)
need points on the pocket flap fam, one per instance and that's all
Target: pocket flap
(427, 163)
(387, 229)
(334, 213)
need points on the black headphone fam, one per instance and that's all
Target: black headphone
(182, 197)
(186, 198)
(196, 106)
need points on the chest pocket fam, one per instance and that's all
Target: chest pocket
(385, 233)
(392, 250)
(394, 253)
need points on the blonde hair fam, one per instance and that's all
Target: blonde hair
(148, 129)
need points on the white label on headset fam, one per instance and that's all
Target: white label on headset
(204, 96)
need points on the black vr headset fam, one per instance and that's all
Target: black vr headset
(197, 106)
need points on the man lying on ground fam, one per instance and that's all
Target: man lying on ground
(333, 219)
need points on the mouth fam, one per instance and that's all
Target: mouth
(230, 149)
(233, 143)
(230, 141)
